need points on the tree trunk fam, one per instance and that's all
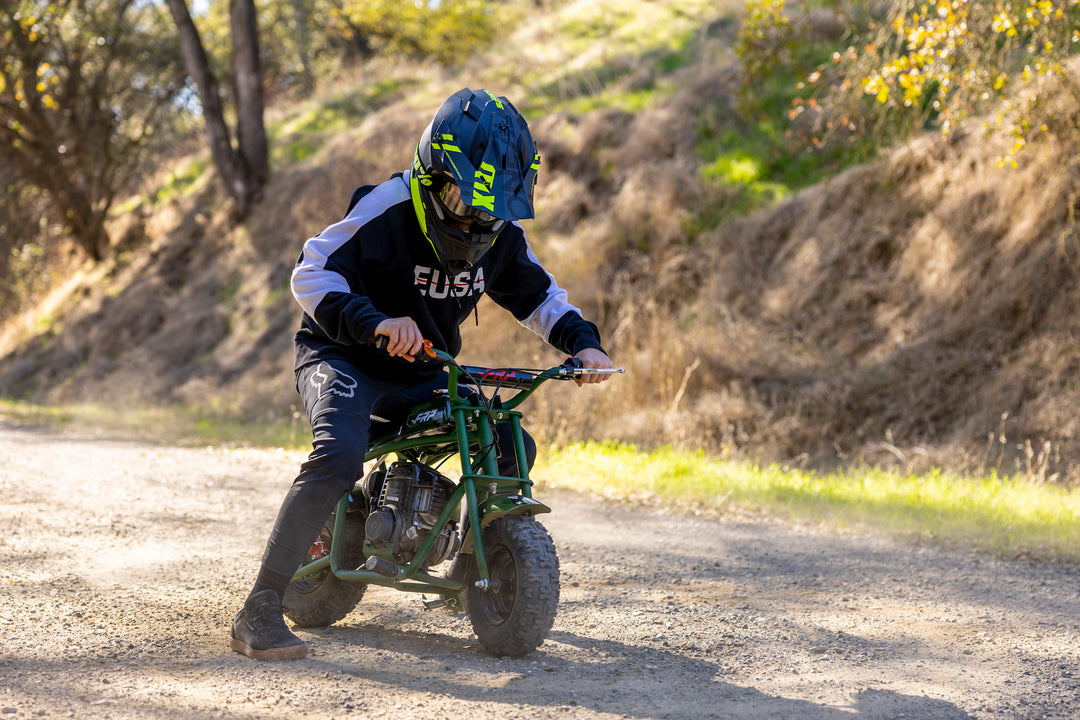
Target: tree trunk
(35, 151)
(251, 133)
(243, 174)
(303, 40)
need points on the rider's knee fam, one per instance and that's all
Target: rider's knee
(337, 472)
(507, 453)
(337, 458)
(530, 449)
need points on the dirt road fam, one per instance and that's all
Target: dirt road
(122, 563)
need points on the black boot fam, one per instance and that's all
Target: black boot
(259, 630)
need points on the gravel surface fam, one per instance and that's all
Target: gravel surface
(122, 563)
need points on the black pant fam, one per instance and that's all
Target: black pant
(340, 400)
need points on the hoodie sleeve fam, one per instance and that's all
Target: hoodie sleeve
(324, 287)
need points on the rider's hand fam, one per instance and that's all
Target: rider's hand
(405, 339)
(593, 358)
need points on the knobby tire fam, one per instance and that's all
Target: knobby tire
(323, 599)
(514, 617)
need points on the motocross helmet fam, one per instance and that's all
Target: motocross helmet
(473, 172)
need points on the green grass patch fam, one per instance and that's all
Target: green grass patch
(615, 57)
(191, 176)
(1005, 516)
(123, 208)
(304, 132)
(301, 136)
(752, 155)
(610, 98)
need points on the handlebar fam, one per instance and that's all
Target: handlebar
(509, 378)
(518, 379)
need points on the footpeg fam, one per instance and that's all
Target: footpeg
(442, 601)
(383, 567)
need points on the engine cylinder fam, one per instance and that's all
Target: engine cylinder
(411, 499)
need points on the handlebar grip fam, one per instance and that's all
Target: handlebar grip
(426, 354)
(573, 369)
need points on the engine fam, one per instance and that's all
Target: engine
(403, 515)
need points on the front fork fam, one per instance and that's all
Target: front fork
(482, 513)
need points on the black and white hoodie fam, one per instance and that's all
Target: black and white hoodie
(376, 264)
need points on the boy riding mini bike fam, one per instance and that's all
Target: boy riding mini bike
(406, 517)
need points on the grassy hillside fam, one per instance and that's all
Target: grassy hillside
(912, 312)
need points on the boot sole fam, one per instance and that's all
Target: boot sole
(292, 652)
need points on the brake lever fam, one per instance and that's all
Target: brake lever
(571, 364)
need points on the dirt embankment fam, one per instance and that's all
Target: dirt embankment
(122, 563)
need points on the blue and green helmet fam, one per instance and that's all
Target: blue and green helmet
(474, 171)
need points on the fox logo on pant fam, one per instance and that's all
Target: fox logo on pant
(341, 384)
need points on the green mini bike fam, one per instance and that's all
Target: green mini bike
(406, 517)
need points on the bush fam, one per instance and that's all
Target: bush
(930, 65)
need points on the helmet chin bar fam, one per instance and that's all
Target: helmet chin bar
(460, 250)
(457, 249)
(456, 267)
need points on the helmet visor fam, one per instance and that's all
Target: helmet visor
(448, 195)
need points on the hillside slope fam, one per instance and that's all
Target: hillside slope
(917, 311)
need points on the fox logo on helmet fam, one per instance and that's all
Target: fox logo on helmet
(329, 380)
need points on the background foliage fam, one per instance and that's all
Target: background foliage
(308, 41)
(912, 65)
(85, 87)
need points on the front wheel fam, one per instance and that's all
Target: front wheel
(323, 599)
(515, 613)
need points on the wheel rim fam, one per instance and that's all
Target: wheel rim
(499, 599)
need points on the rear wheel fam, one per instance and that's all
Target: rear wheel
(514, 615)
(323, 599)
